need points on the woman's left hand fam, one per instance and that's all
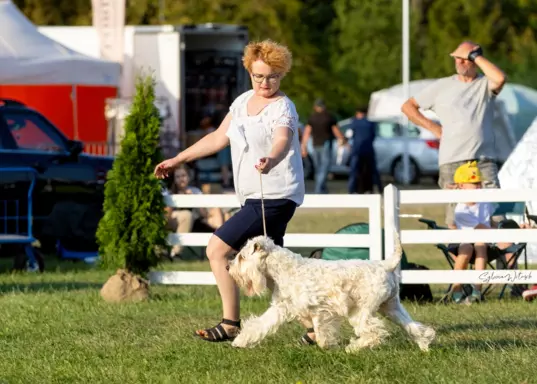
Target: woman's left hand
(265, 165)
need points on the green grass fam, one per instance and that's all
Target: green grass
(55, 328)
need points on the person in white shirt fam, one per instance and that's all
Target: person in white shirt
(470, 216)
(262, 129)
(473, 216)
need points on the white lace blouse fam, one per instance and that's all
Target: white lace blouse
(251, 139)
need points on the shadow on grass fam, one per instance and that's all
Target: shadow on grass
(48, 287)
(52, 264)
(502, 324)
(488, 345)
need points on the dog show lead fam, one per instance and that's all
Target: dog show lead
(262, 129)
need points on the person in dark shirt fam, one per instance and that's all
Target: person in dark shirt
(364, 172)
(322, 127)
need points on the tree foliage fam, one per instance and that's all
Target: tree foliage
(132, 229)
(345, 49)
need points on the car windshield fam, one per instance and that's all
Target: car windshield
(31, 132)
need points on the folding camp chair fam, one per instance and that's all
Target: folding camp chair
(493, 252)
(348, 253)
(518, 212)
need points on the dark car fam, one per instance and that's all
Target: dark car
(67, 178)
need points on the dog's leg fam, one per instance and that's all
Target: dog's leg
(421, 334)
(256, 329)
(369, 329)
(326, 328)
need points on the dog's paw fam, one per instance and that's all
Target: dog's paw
(423, 335)
(426, 339)
(241, 342)
(352, 349)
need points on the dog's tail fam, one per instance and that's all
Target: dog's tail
(391, 264)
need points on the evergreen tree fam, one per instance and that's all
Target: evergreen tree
(132, 229)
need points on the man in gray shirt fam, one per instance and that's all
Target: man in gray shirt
(464, 105)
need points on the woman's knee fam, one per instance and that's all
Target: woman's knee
(217, 249)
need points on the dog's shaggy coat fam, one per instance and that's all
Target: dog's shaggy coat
(320, 293)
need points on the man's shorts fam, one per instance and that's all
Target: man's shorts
(248, 222)
(489, 173)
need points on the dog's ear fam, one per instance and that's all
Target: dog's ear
(260, 247)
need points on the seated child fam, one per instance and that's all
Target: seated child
(473, 216)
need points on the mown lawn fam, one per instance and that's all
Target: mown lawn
(55, 328)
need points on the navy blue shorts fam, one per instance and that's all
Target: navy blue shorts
(248, 222)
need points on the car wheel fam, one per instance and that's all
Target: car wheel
(398, 171)
(309, 170)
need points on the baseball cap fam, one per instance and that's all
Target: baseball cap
(319, 103)
(467, 173)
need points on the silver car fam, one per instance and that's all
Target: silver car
(389, 147)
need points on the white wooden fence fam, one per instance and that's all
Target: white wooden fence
(373, 240)
(393, 198)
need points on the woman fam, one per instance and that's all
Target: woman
(186, 220)
(262, 129)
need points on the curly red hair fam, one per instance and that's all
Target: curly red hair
(276, 55)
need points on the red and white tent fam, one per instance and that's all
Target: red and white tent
(67, 87)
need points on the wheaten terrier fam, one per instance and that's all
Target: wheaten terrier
(320, 293)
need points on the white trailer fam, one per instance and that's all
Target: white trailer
(197, 68)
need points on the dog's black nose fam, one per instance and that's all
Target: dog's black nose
(227, 268)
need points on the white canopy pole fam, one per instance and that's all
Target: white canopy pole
(406, 86)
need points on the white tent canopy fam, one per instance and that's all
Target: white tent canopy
(520, 172)
(29, 57)
(386, 103)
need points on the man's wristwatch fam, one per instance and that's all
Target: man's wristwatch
(475, 53)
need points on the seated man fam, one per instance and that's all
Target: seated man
(474, 216)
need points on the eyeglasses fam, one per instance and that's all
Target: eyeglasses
(272, 79)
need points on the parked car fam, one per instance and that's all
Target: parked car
(65, 173)
(389, 146)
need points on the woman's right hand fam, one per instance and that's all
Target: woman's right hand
(163, 169)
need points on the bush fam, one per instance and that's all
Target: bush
(132, 230)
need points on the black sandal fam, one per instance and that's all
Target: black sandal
(218, 332)
(306, 339)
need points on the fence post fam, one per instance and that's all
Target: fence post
(375, 229)
(391, 218)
